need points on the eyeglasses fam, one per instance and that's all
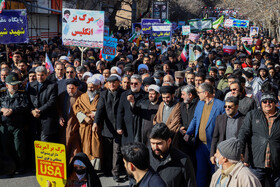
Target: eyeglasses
(227, 106)
(234, 89)
(267, 101)
(69, 71)
(134, 83)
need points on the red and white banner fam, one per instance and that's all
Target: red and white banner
(229, 49)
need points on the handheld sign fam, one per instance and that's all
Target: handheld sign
(50, 163)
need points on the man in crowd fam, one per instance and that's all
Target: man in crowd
(174, 167)
(42, 97)
(169, 112)
(227, 125)
(260, 130)
(106, 116)
(59, 73)
(129, 125)
(137, 164)
(147, 110)
(187, 108)
(232, 171)
(85, 109)
(202, 128)
(14, 108)
(246, 104)
(69, 125)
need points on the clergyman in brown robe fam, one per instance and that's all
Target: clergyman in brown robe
(169, 112)
(84, 109)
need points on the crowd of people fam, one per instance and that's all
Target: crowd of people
(216, 113)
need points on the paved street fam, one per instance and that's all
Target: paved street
(29, 180)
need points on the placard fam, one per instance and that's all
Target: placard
(13, 27)
(50, 163)
(83, 28)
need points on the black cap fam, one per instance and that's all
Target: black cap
(12, 79)
(149, 81)
(72, 81)
(167, 89)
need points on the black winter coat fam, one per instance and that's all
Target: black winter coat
(127, 121)
(106, 112)
(254, 131)
(19, 104)
(175, 169)
(45, 101)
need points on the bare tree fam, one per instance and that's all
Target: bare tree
(264, 13)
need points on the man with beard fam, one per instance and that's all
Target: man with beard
(137, 164)
(129, 124)
(179, 82)
(169, 112)
(22, 66)
(173, 166)
(85, 108)
(69, 130)
(107, 113)
(187, 108)
(147, 110)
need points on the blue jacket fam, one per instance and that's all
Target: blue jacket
(217, 109)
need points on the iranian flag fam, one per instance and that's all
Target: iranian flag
(133, 38)
(184, 54)
(248, 50)
(48, 64)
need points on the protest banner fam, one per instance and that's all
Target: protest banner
(13, 26)
(240, 23)
(82, 28)
(181, 24)
(194, 37)
(186, 30)
(109, 48)
(199, 25)
(161, 30)
(228, 23)
(106, 31)
(247, 39)
(192, 55)
(194, 25)
(147, 24)
(229, 49)
(206, 24)
(158, 42)
(50, 163)
(254, 31)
